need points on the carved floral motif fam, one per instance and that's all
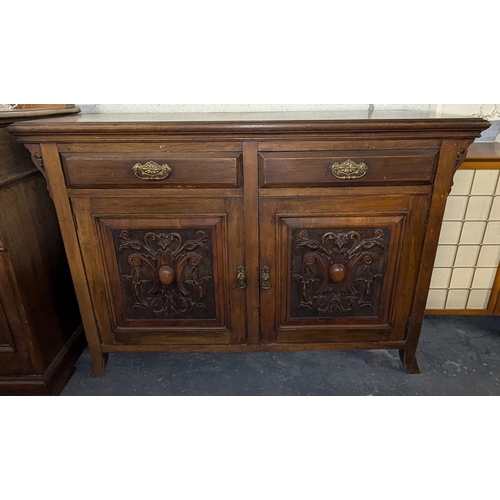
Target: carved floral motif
(338, 273)
(170, 275)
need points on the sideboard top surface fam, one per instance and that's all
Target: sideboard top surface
(337, 122)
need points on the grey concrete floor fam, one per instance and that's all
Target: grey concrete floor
(459, 356)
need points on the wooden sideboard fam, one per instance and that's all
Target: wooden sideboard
(252, 232)
(41, 335)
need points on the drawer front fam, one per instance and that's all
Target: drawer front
(154, 170)
(351, 168)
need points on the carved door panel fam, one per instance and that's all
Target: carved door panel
(339, 275)
(164, 271)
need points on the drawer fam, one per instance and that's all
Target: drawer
(153, 170)
(351, 168)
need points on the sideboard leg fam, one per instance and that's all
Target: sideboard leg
(409, 360)
(99, 362)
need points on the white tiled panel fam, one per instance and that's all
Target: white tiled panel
(479, 208)
(455, 208)
(467, 256)
(485, 182)
(463, 182)
(450, 234)
(489, 256)
(472, 233)
(441, 278)
(484, 278)
(461, 278)
(446, 256)
(479, 299)
(437, 299)
(469, 249)
(492, 236)
(495, 209)
(457, 299)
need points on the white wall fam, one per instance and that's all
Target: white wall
(155, 108)
(489, 111)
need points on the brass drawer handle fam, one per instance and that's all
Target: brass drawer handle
(349, 170)
(151, 171)
(242, 279)
(266, 277)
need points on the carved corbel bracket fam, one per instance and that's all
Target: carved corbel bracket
(36, 156)
(37, 159)
(463, 148)
(461, 155)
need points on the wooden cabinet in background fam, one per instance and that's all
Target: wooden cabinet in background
(41, 336)
(229, 233)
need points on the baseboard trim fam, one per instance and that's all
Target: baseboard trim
(55, 377)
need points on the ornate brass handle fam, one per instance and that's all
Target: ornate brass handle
(242, 279)
(151, 171)
(266, 277)
(349, 170)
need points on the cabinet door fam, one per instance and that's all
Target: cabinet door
(164, 271)
(14, 356)
(339, 269)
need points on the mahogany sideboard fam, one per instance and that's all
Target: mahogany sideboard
(41, 335)
(251, 232)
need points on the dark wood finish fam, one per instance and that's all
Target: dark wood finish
(251, 220)
(40, 328)
(311, 169)
(189, 170)
(380, 242)
(160, 269)
(494, 303)
(34, 111)
(301, 259)
(496, 288)
(458, 312)
(45, 106)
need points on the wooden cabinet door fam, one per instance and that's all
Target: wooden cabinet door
(14, 355)
(164, 271)
(339, 269)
